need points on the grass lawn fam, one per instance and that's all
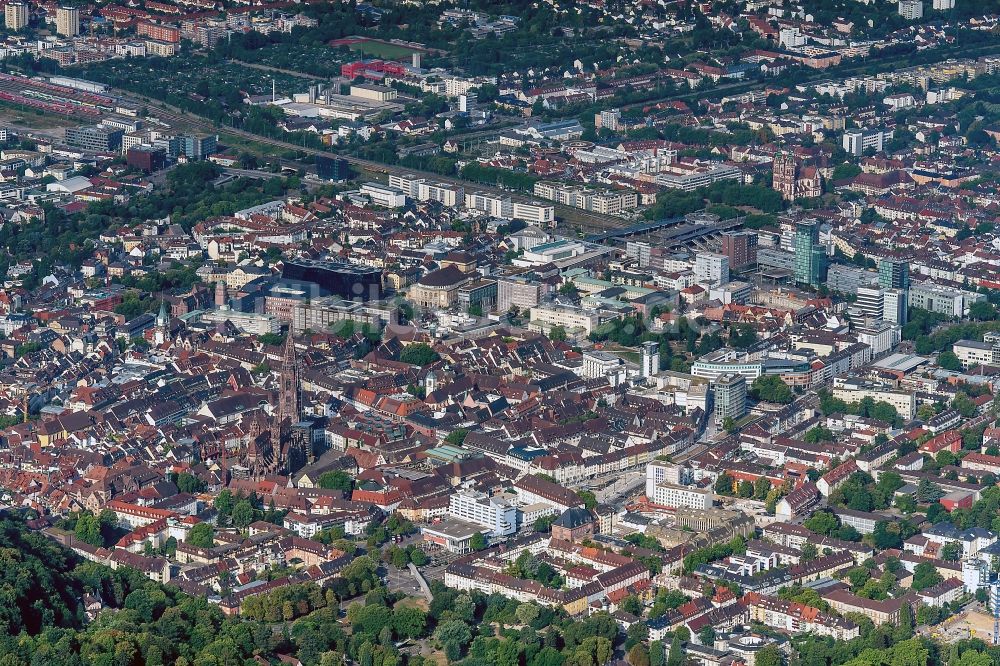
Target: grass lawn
(415, 602)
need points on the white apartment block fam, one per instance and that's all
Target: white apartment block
(493, 513)
(669, 494)
(972, 353)
(544, 317)
(911, 10)
(540, 214)
(449, 195)
(390, 197)
(855, 390)
(517, 291)
(711, 270)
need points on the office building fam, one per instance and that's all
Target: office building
(146, 158)
(740, 247)
(351, 281)
(911, 10)
(467, 102)
(445, 193)
(972, 353)
(736, 291)
(640, 251)
(869, 302)
(253, 323)
(893, 274)
(711, 269)
(846, 279)
(521, 291)
(16, 15)
(320, 314)
(95, 138)
(68, 21)
(810, 256)
(332, 168)
(598, 363)
(730, 397)
(941, 299)
(498, 516)
(858, 141)
(880, 336)
(197, 147)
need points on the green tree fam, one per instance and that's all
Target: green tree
(964, 405)
(201, 536)
(243, 514)
(453, 636)
(925, 575)
(188, 483)
(819, 434)
(88, 529)
(418, 354)
(638, 655)
(769, 655)
(676, 655)
(409, 622)
(336, 480)
(949, 361)
(478, 541)
(456, 437)
(657, 655)
(771, 388)
(822, 522)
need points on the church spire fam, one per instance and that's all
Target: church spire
(288, 400)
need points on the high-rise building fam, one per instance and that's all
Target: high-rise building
(943, 5)
(68, 21)
(869, 302)
(740, 247)
(911, 10)
(711, 269)
(332, 168)
(15, 15)
(810, 256)
(894, 306)
(650, 358)
(893, 274)
(730, 397)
